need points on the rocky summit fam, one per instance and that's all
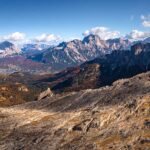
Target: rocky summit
(114, 117)
(7, 48)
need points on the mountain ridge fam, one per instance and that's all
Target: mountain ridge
(69, 54)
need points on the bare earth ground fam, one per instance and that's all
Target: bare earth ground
(115, 118)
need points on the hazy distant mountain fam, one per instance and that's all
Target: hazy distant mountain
(147, 40)
(7, 48)
(34, 47)
(20, 63)
(119, 44)
(75, 52)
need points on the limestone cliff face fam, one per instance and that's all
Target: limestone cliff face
(76, 52)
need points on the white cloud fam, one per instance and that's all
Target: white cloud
(145, 20)
(135, 35)
(146, 23)
(20, 38)
(47, 38)
(16, 36)
(102, 32)
(142, 17)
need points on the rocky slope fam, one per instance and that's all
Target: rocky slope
(18, 88)
(119, 44)
(115, 117)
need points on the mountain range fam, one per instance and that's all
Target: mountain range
(104, 70)
(68, 54)
(96, 73)
(62, 56)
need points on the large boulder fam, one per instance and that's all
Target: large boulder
(45, 93)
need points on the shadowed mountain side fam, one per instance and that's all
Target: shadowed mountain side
(105, 70)
(121, 91)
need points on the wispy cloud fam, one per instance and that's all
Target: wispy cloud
(102, 32)
(136, 34)
(47, 38)
(52, 39)
(16, 36)
(20, 38)
(145, 20)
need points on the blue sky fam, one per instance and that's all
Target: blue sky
(70, 18)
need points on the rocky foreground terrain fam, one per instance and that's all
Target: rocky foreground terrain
(114, 117)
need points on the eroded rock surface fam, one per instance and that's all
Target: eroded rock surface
(45, 94)
(115, 117)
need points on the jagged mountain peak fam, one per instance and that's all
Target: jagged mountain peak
(94, 40)
(75, 52)
(119, 44)
(7, 48)
(5, 44)
(147, 40)
(62, 44)
(91, 37)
